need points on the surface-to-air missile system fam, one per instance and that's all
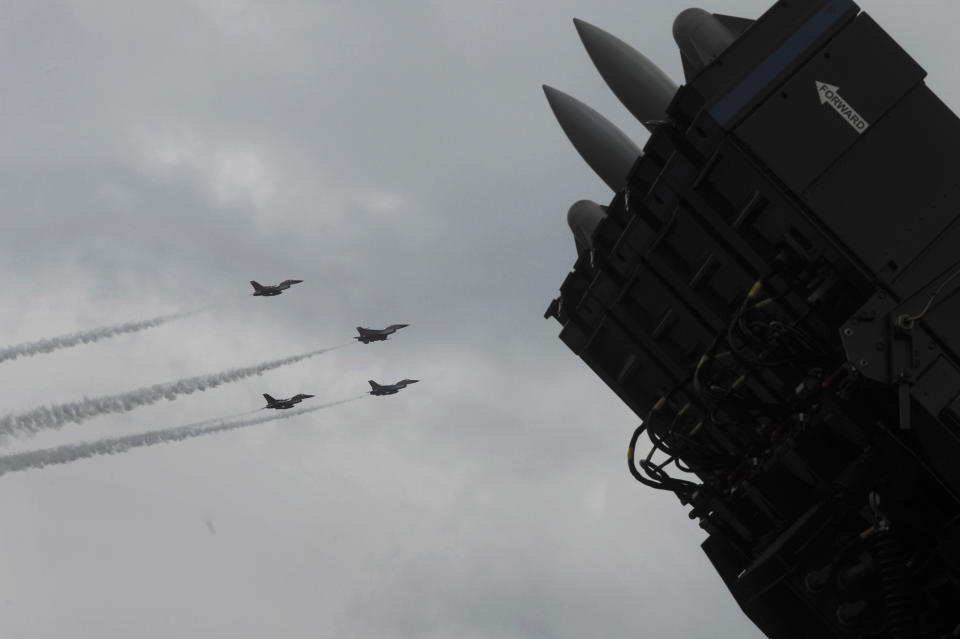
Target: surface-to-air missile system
(773, 290)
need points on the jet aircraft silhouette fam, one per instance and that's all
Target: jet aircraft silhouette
(272, 402)
(390, 389)
(270, 291)
(368, 335)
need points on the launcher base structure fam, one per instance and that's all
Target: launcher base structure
(774, 291)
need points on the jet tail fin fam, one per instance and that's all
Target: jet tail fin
(256, 286)
(269, 399)
(373, 384)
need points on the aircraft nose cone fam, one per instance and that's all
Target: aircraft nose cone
(413, 381)
(308, 396)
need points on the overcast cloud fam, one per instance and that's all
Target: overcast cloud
(401, 160)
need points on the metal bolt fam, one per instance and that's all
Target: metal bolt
(848, 331)
(864, 362)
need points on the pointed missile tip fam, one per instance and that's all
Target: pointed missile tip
(606, 149)
(584, 28)
(554, 96)
(592, 36)
(637, 82)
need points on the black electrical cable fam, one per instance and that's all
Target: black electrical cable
(658, 478)
(658, 443)
(633, 467)
(659, 440)
(908, 321)
(777, 328)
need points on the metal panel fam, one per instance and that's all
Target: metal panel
(830, 103)
(899, 183)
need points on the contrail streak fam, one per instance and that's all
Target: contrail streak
(51, 344)
(53, 417)
(117, 445)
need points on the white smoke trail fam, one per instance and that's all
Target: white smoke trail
(51, 344)
(53, 417)
(117, 445)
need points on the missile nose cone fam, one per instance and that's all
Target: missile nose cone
(608, 151)
(637, 82)
(702, 37)
(686, 21)
(583, 218)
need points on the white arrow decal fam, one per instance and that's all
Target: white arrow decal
(830, 94)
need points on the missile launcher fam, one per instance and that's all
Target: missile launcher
(773, 290)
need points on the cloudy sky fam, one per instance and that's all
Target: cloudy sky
(399, 158)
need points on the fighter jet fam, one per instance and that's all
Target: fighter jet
(270, 291)
(368, 335)
(284, 403)
(390, 389)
